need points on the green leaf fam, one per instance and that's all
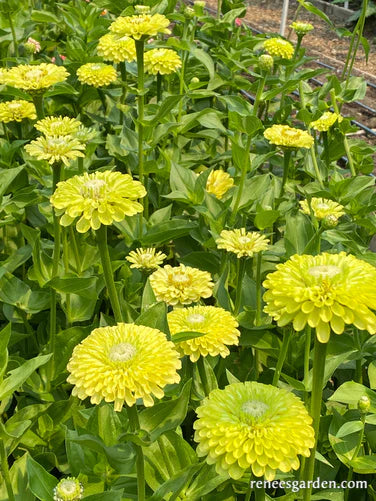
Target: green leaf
(166, 416)
(7, 177)
(19, 481)
(4, 339)
(298, 234)
(349, 428)
(314, 10)
(168, 230)
(204, 58)
(85, 287)
(184, 336)
(106, 496)
(372, 374)
(350, 393)
(166, 106)
(44, 16)
(21, 374)
(266, 218)
(364, 464)
(155, 317)
(41, 482)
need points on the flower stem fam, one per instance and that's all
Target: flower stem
(260, 90)
(355, 455)
(134, 425)
(219, 8)
(5, 470)
(14, 37)
(159, 86)
(240, 265)
(286, 166)
(316, 400)
(140, 104)
(101, 234)
(123, 72)
(258, 288)
(80, 163)
(241, 183)
(202, 373)
(316, 167)
(66, 271)
(282, 355)
(166, 459)
(75, 249)
(345, 142)
(307, 351)
(260, 491)
(39, 106)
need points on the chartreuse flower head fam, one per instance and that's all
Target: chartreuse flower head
(326, 291)
(218, 183)
(35, 77)
(322, 208)
(97, 198)
(162, 61)
(96, 74)
(181, 285)
(123, 363)
(146, 259)
(241, 242)
(140, 26)
(301, 28)
(117, 49)
(253, 426)
(288, 137)
(55, 149)
(218, 326)
(279, 47)
(58, 126)
(327, 120)
(16, 111)
(68, 489)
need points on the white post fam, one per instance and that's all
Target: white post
(285, 10)
(346, 4)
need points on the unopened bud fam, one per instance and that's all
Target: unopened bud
(195, 80)
(198, 7)
(190, 13)
(142, 9)
(266, 63)
(301, 28)
(330, 221)
(32, 46)
(364, 404)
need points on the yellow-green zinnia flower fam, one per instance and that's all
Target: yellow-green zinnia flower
(218, 326)
(241, 242)
(253, 426)
(279, 47)
(301, 28)
(288, 137)
(218, 183)
(58, 126)
(140, 26)
(97, 198)
(35, 77)
(16, 111)
(326, 292)
(146, 259)
(327, 120)
(162, 61)
(181, 285)
(117, 49)
(68, 489)
(322, 208)
(96, 74)
(123, 363)
(55, 149)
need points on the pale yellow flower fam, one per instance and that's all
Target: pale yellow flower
(301, 28)
(241, 242)
(96, 74)
(16, 111)
(218, 183)
(288, 137)
(55, 149)
(140, 26)
(35, 77)
(146, 259)
(58, 126)
(327, 120)
(322, 208)
(117, 49)
(162, 61)
(279, 47)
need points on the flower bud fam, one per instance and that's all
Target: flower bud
(68, 489)
(198, 7)
(238, 21)
(190, 13)
(142, 9)
(364, 404)
(330, 221)
(301, 28)
(195, 80)
(32, 46)
(266, 63)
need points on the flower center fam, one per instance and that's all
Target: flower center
(96, 67)
(196, 318)
(324, 271)
(94, 188)
(34, 74)
(254, 408)
(244, 240)
(122, 352)
(14, 106)
(322, 206)
(68, 487)
(180, 279)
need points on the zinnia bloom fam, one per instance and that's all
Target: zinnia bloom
(117, 49)
(253, 425)
(146, 259)
(326, 291)
(301, 28)
(16, 111)
(162, 61)
(58, 126)
(123, 363)
(140, 26)
(181, 284)
(218, 183)
(279, 47)
(218, 325)
(322, 208)
(96, 74)
(288, 137)
(241, 242)
(97, 198)
(327, 120)
(35, 77)
(55, 149)
(68, 489)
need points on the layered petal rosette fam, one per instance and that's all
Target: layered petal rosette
(35, 77)
(96, 74)
(162, 61)
(326, 292)
(55, 149)
(218, 183)
(146, 259)
(288, 137)
(140, 26)
(279, 47)
(322, 208)
(58, 126)
(253, 426)
(16, 111)
(241, 242)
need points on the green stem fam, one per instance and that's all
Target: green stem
(259, 491)
(355, 455)
(282, 355)
(134, 425)
(202, 373)
(102, 98)
(358, 367)
(307, 351)
(240, 265)
(14, 37)
(241, 183)
(316, 401)
(258, 288)
(5, 470)
(140, 105)
(166, 459)
(345, 142)
(80, 164)
(66, 271)
(316, 167)
(286, 166)
(101, 234)
(123, 72)
(326, 148)
(219, 8)
(38, 103)
(357, 34)
(75, 249)
(159, 86)
(56, 174)
(260, 90)
(297, 46)
(248, 493)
